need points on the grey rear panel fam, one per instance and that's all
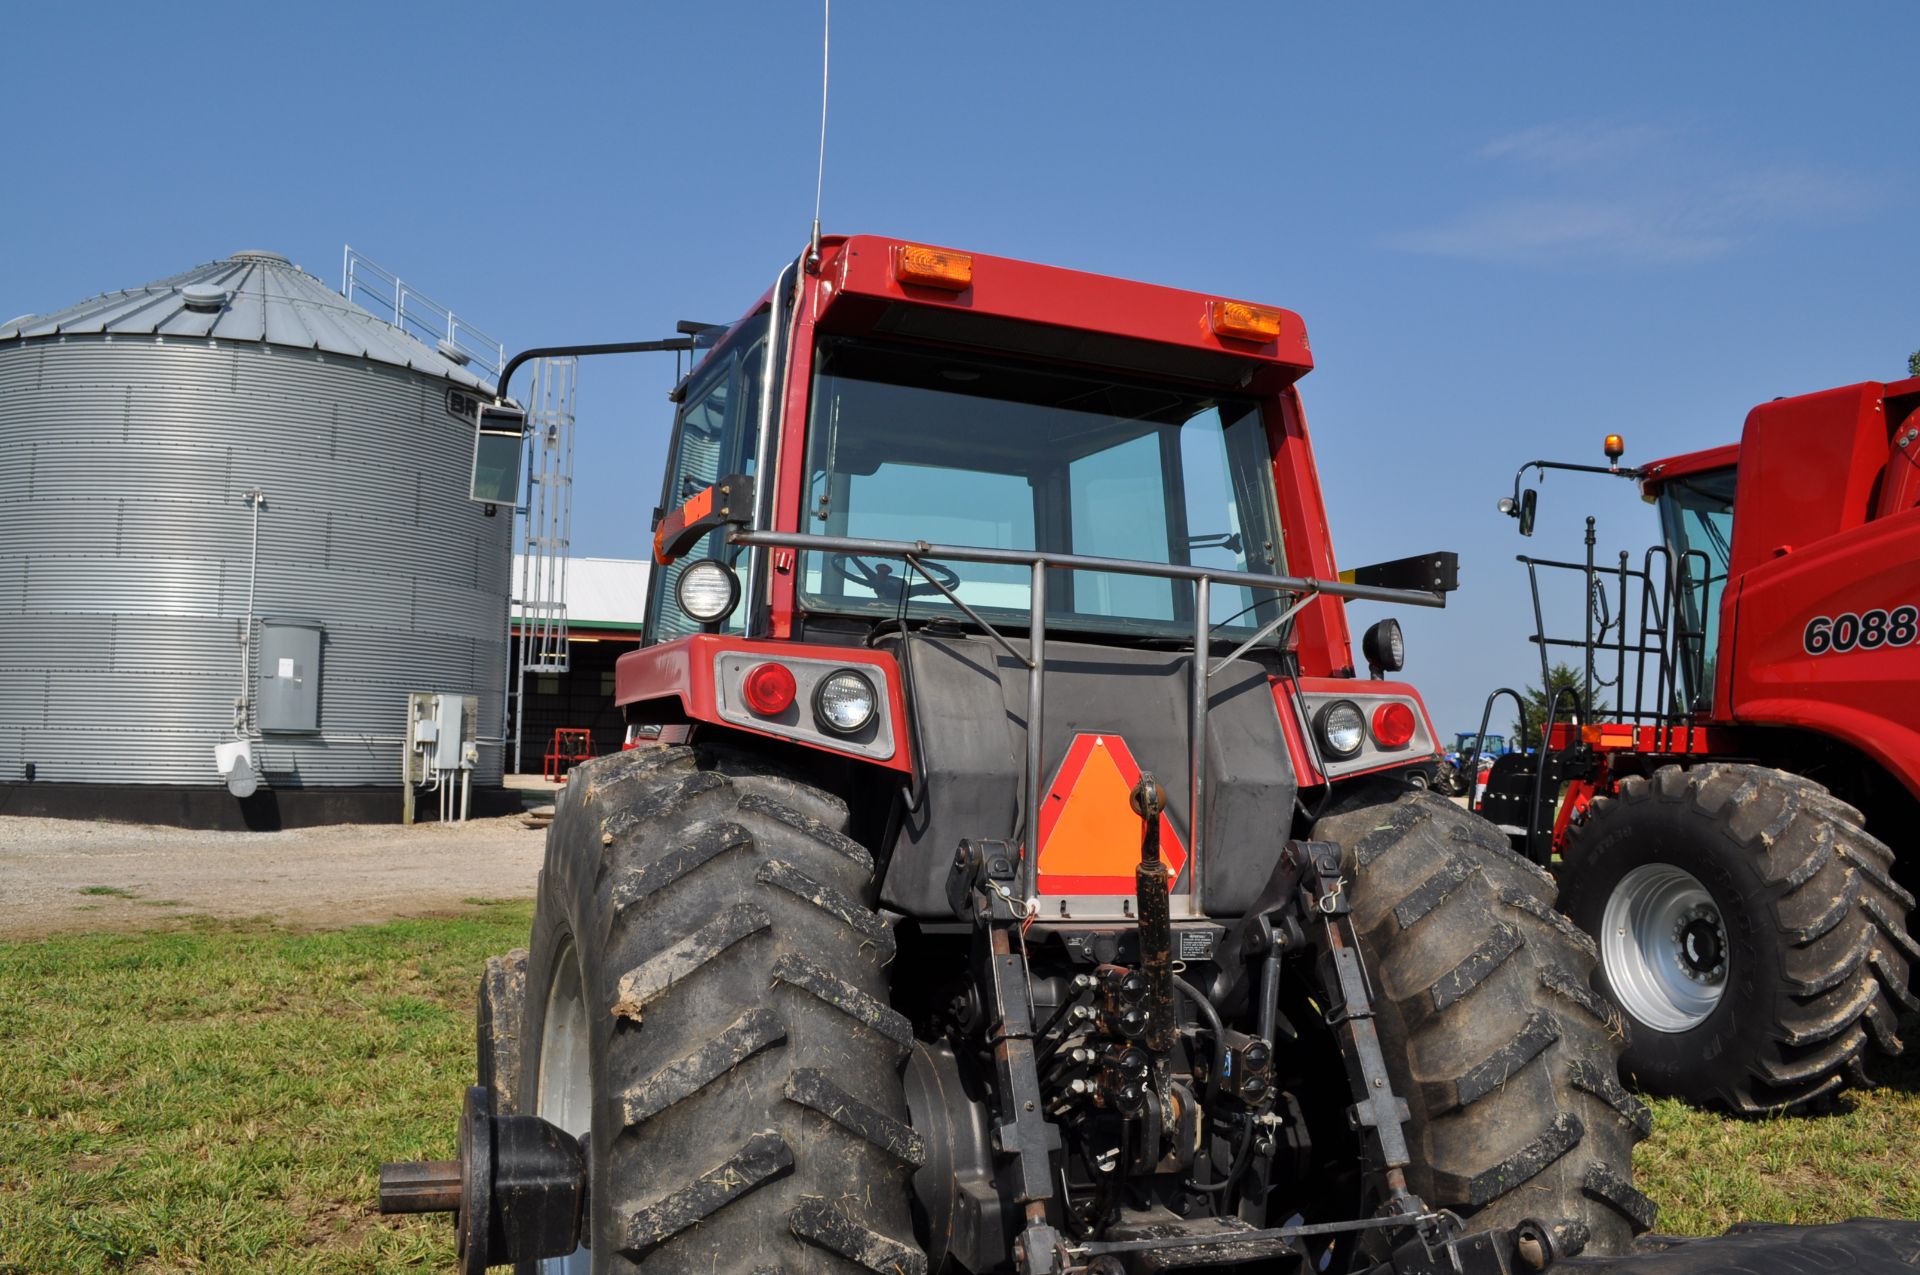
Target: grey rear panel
(970, 700)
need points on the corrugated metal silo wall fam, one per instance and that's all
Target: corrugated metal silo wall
(124, 549)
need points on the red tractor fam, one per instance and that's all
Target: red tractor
(896, 956)
(1736, 828)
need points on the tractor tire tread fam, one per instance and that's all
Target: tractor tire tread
(500, 1012)
(747, 1059)
(1490, 1030)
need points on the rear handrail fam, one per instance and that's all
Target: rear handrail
(1086, 562)
(1303, 588)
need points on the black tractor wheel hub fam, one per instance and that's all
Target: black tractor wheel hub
(518, 1192)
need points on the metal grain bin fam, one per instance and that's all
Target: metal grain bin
(132, 429)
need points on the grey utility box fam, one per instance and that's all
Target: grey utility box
(287, 685)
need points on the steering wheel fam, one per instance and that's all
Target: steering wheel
(880, 577)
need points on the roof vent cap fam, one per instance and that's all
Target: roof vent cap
(256, 254)
(205, 297)
(452, 353)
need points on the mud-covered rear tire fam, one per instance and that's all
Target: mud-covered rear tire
(500, 1015)
(747, 1108)
(1505, 1055)
(1805, 931)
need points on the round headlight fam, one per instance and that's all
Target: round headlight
(844, 701)
(1385, 649)
(707, 591)
(1342, 728)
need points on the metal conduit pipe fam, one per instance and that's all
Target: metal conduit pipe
(243, 702)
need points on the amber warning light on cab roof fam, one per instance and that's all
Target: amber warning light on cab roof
(1244, 321)
(933, 268)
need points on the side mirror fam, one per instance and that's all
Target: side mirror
(1528, 500)
(499, 433)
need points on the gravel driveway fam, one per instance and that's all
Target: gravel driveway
(61, 874)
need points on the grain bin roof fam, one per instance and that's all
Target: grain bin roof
(251, 296)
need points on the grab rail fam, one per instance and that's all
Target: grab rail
(1038, 562)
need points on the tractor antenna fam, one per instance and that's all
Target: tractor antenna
(820, 176)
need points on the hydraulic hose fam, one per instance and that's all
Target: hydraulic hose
(1212, 1015)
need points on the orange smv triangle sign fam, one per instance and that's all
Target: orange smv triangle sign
(1089, 835)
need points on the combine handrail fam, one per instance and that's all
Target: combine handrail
(1581, 715)
(1038, 562)
(1470, 762)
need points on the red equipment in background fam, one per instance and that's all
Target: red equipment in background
(571, 745)
(1727, 828)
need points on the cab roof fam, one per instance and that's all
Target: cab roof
(1053, 313)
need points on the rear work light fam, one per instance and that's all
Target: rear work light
(844, 702)
(933, 268)
(1393, 725)
(1342, 729)
(1243, 321)
(768, 689)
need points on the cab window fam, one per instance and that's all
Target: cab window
(713, 436)
(1698, 513)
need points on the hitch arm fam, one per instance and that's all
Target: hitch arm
(1156, 933)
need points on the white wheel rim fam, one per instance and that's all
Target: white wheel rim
(1663, 944)
(564, 1092)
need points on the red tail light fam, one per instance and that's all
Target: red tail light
(768, 689)
(1393, 725)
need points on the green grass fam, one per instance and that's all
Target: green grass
(218, 1097)
(111, 891)
(1708, 1172)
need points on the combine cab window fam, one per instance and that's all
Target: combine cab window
(911, 444)
(1698, 515)
(713, 437)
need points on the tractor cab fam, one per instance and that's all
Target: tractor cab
(1466, 743)
(917, 488)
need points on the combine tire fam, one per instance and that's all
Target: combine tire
(1505, 1055)
(1749, 929)
(707, 995)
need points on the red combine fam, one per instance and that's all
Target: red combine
(1736, 829)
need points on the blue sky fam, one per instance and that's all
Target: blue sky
(1511, 228)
